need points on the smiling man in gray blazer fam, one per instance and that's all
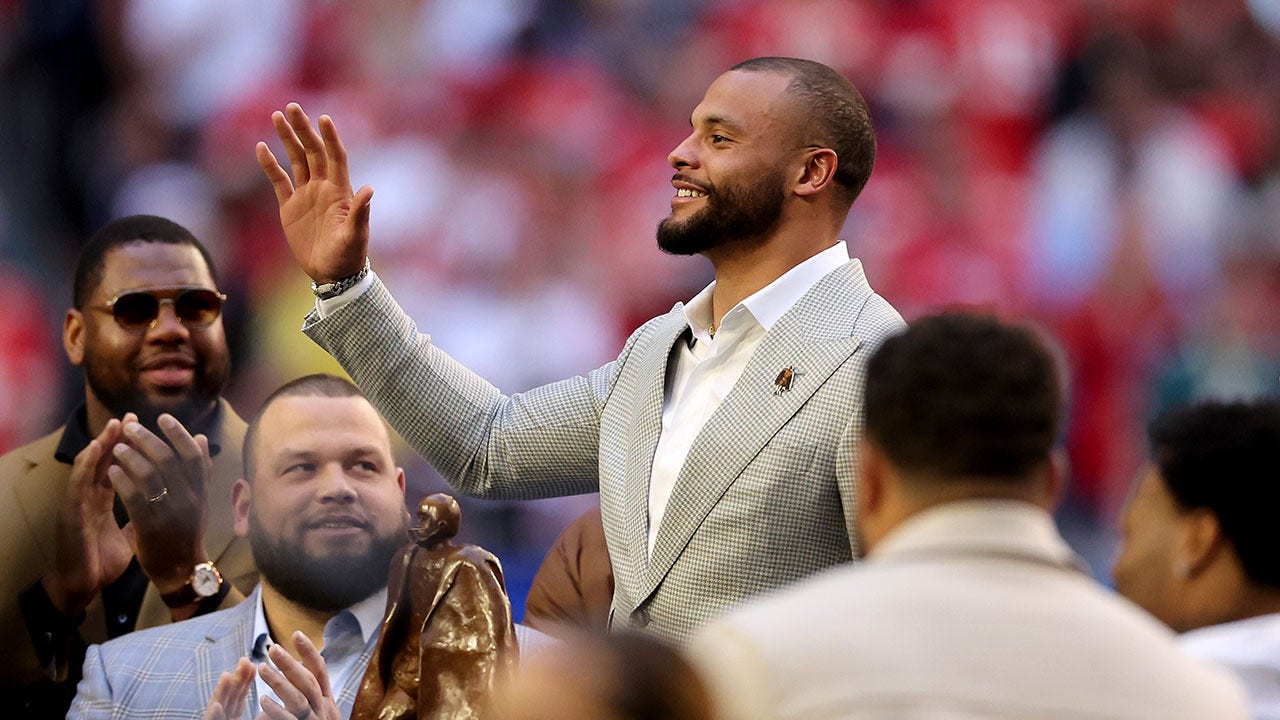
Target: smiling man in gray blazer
(721, 438)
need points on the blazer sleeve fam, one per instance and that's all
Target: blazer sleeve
(540, 443)
(93, 699)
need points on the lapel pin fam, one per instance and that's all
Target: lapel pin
(783, 382)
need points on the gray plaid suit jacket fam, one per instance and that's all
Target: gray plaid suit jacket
(170, 672)
(766, 493)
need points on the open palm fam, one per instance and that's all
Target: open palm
(324, 222)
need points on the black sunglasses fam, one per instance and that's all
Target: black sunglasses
(137, 311)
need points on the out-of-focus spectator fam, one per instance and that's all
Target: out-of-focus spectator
(969, 603)
(1199, 547)
(624, 676)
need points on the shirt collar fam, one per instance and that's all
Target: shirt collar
(979, 527)
(369, 611)
(368, 614)
(75, 433)
(768, 304)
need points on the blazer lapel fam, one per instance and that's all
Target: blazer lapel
(227, 467)
(223, 647)
(38, 493)
(813, 339)
(646, 427)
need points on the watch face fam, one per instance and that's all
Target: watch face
(206, 581)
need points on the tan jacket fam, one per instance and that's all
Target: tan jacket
(32, 483)
(970, 609)
(574, 585)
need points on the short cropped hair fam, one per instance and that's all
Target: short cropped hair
(317, 385)
(130, 229)
(834, 113)
(964, 396)
(1225, 456)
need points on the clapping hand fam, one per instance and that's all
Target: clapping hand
(164, 486)
(231, 693)
(303, 687)
(91, 550)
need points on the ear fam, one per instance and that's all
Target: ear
(73, 336)
(241, 502)
(1199, 541)
(1056, 472)
(871, 479)
(818, 171)
(400, 479)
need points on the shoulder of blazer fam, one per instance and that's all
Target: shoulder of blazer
(652, 325)
(27, 457)
(185, 636)
(859, 308)
(231, 431)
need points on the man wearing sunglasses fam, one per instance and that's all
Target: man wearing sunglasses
(121, 519)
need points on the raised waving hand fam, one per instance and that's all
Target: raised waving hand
(325, 223)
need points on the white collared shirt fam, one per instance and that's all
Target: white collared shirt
(699, 376)
(345, 636)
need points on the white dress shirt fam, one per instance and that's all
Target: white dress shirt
(345, 636)
(701, 374)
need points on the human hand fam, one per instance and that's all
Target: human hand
(231, 693)
(303, 685)
(326, 225)
(164, 485)
(91, 551)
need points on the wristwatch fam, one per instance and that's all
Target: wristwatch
(328, 290)
(205, 582)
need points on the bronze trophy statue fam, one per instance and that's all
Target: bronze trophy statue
(447, 636)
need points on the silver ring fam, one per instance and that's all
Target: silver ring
(164, 493)
(304, 713)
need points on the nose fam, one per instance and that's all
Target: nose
(167, 324)
(335, 485)
(684, 154)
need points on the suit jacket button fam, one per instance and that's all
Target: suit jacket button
(640, 618)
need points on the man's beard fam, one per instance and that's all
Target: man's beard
(326, 583)
(190, 407)
(731, 213)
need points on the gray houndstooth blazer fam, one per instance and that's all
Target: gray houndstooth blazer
(766, 493)
(171, 671)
